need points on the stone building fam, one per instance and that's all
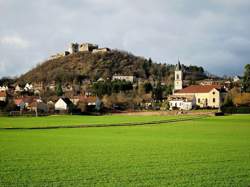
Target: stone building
(101, 50)
(88, 47)
(73, 48)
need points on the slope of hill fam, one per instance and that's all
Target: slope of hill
(93, 66)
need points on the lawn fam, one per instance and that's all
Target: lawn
(214, 151)
(68, 120)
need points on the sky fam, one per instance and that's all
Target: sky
(209, 33)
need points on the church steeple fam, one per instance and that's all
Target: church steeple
(178, 66)
(178, 76)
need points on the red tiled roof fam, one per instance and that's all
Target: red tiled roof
(18, 101)
(198, 89)
(89, 99)
(3, 94)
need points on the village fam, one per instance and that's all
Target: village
(33, 98)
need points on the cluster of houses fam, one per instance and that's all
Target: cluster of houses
(83, 47)
(61, 105)
(205, 94)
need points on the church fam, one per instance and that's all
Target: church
(199, 96)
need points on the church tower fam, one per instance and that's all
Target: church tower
(178, 76)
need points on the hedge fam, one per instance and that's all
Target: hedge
(236, 110)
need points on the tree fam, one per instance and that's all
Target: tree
(242, 99)
(148, 87)
(157, 92)
(168, 90)
(246, 79)
(59, 91)
(228, 100)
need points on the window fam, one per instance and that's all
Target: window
(177, 77)
(213, 93)
(199, 100)
(214, 100)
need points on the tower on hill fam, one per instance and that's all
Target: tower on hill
(178, 76)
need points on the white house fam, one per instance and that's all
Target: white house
(236, 78)
(4, 88)
(181, 102)
(18, 89)
(28, 87)
(63, 104)
(123, 77)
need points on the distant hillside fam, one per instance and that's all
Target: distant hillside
(93, 66)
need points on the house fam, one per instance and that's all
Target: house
(18, 89)
(89, 100)
(38, 86)
(19, 103)
(181, 102)
(4, 88)
(28, 87)
(236, 78)
(3, 96)
(52, 86)
(63, 104)
(124, 77)
(38, 106)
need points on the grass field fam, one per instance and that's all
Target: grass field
(214, 151)
(27, 122)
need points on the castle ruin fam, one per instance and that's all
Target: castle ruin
(83, 47)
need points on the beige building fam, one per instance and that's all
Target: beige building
(204, 96)
(210, 96)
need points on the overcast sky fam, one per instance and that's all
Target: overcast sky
(214, 34)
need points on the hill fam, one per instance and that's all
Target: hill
(87, 65)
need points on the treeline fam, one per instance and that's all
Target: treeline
(102, 88)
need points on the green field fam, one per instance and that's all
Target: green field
(213, 151)
(68, 120)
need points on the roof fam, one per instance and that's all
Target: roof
(198, 89)
(3, 94)
(90, 99)
(180, 98)
(67, 101)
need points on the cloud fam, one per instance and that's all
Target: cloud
(212, 33)
(14, 41)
